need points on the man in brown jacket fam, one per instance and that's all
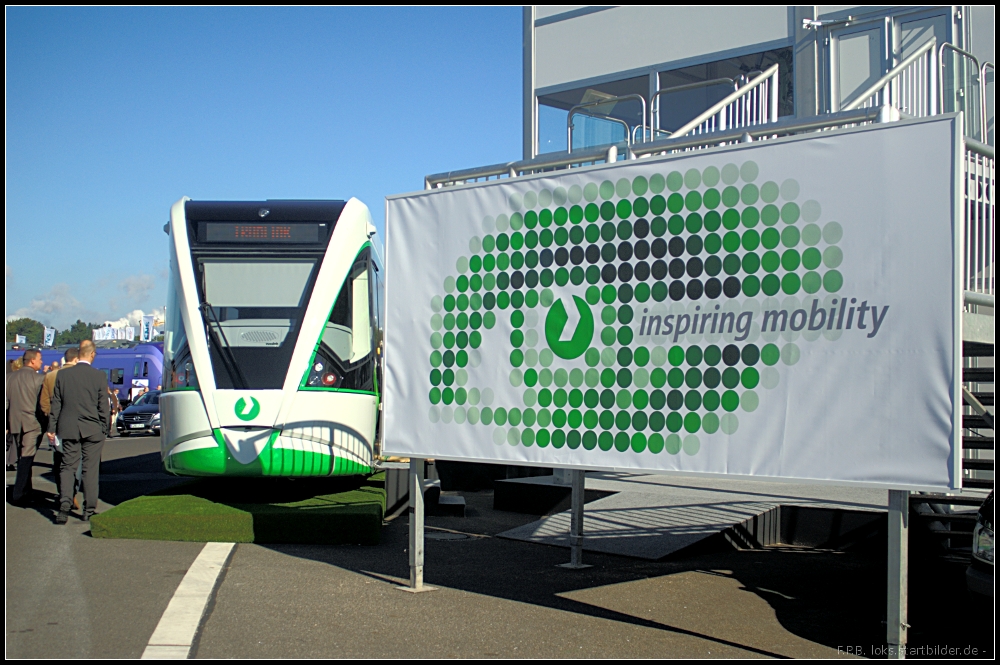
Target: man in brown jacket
(45, 400)
(24, 421)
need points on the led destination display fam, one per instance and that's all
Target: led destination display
(230, 232)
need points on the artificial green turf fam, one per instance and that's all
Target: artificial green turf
(315, 511)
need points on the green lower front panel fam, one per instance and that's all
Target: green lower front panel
(272, 462)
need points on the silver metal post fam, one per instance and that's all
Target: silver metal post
(416, 491)
(576, 524)
(895, 623)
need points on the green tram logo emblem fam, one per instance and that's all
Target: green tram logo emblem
(555, 322)
(241, 409)
(701, 280)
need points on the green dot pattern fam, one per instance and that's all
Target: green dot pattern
(702, 236)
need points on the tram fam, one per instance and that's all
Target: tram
(273, 339)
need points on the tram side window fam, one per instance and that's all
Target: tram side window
(117, 376)
(135, 369)
(348, 334)
(145, 368)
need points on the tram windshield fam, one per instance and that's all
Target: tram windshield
(253, 310)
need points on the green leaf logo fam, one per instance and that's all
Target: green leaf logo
(556, 320)
(241, 409)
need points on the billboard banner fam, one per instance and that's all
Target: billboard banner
(49, 337)
(784, 310)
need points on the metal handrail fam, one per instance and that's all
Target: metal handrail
(982, 96)
(788, 126)
(744, 78)
(432, 181)
(654, 103)
(981, 106)
(581, 108)
(729, 99)
(555, 160)
(980, 148)
(981, 299)
(890, 75)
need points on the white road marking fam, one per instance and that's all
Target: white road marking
(176, 631)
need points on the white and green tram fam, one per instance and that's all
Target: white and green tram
(273, 341)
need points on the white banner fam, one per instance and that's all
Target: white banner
(20, 339)
(782, 310)
(50, 336)
(146, 331)
(108, 333)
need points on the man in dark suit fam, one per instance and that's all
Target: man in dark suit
(80, 416)
(25, 420)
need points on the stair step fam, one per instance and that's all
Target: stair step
(977, 483)
(977, 374)
(977, 443)
(957, 518)
(950, 533)
(978, 464)
(986, 399)
(975, 421)
(944, 499)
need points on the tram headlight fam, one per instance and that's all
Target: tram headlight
(329, 379)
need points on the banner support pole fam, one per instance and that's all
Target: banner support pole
(896, 606)
(416, 499)
(576, 523)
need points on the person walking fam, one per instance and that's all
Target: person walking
(80, 410)
(45, 400)
(25, 421)
(115, 407)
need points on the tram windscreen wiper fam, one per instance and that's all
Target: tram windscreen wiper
(222, 345)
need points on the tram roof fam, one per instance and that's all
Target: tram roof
(280, 210)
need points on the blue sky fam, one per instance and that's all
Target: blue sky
(114, 114)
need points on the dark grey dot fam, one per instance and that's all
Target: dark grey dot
(659, 269)
(546, 258)
(694, 267)
(677, 290)
(624, 272)
(677, 268)
(641, 228)
(642, 271)
(576, 256)
(713, 288)
(562, 256)
(659, 248)
(694, 289)
(642, 250)
(625, 251)
(731, 355)
(608, 274)
(676, 246)
(593, 254)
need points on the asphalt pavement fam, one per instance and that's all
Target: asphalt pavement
(69, 595)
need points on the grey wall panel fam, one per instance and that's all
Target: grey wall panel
(983, 32)
(628, 38)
